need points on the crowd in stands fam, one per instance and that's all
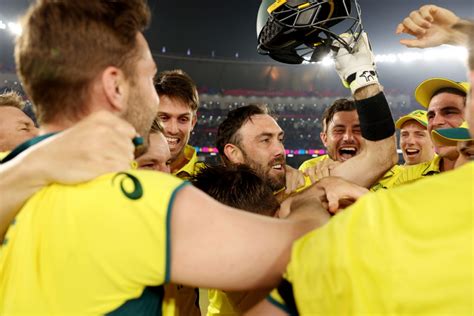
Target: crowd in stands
(301, 122)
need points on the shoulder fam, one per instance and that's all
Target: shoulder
(312, 162)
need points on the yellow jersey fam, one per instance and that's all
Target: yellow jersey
(312, 162)
(388, 179)
(193, 165)
(413, 173)
(90, 249)
(187, 298)
(405, 251)
(3, 155)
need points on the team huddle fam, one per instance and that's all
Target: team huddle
(106, 208)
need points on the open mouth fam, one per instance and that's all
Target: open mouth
(410, 152)
(278, 166)
(172, 141)
(347, 152)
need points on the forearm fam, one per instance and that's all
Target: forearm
(365, 169)
(377, 128)
(20, 179)
(461, 32)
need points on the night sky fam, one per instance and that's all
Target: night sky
(228, 26)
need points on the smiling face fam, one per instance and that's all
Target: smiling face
(342, 137)
(446, 110)
(178, 120)
(261, 144)
(415, 143)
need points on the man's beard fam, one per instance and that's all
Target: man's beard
(139, 115)
(275, 183)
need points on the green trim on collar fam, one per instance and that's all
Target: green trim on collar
(24, 146)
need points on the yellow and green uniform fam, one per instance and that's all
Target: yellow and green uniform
(399, 175)
(3, 155)
(405, 251)
(187, 298)
(100, 247)
(192, 166)
(312, 162)
(416, 172)
(388, 179)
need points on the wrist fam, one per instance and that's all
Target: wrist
(367, 91)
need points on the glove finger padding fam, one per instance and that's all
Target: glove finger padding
(357, 68)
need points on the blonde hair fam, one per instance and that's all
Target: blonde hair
(12, 99)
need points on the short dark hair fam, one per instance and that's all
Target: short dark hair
(178, 84)
(237, 186)
(451, 91)
(227, 132)
(340, 105)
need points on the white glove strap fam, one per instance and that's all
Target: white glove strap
(362, 78)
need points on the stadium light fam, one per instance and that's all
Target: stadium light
(443, 53)
(327, 61)
(15, 28)
(3, 26)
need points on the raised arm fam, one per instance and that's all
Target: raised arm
(357, 70)
(431, 26)
(97, 145)
(253, 250)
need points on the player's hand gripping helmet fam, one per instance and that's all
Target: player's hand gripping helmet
(293, 31)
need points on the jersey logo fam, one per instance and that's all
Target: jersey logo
(137, 191)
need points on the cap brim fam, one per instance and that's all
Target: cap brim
(450, 136)
(425, 90)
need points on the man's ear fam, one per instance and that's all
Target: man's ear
(234, 154)
(324, 138)
(116, 88)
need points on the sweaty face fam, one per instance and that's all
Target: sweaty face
(446, 110)
(178, 121)
(466, 153)
(15, 128)
(142, 99)
(158, 156)
(262, 148)
(342, 138)
(415, 143)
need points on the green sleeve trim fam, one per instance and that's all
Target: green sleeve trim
(168, 231)
(277, 304)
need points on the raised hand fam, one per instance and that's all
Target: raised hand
(431, 26)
